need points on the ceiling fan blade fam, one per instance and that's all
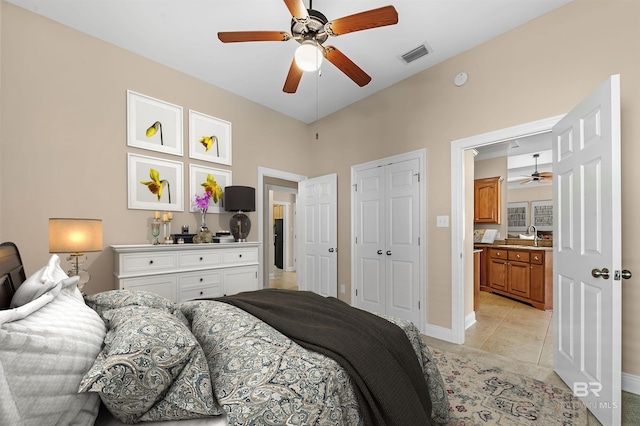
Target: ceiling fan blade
(242, 36)
(374, 18)
(546, 175)
(293, 78)
(297, 9)
(347, 66)
(526, 181)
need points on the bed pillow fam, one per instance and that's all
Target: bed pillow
(39, 283)
(46, 346)
(151, 368)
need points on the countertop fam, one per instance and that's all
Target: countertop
(512, 246)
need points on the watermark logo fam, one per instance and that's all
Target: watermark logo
(582, 389)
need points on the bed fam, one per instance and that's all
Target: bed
(123, 357)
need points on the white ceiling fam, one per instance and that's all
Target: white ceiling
(182, 34)
(520, 161)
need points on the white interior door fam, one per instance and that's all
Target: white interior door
(587, 300)
(387, 231)
(370, 244)
(318, 210)
(402, 236)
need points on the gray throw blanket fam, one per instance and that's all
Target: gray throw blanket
(387, 376)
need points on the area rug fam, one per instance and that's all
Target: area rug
(487, 395)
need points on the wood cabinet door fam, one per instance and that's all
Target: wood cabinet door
(537, 283)
(518, 278)
(497, 274)
(487, 200)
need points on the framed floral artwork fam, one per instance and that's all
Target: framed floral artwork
(154, 124)
(209, 138)
(154, 183)
(202, 178)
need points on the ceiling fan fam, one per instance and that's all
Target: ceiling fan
(311, 29)
(537, 176)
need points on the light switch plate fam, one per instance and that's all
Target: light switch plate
(442, 222)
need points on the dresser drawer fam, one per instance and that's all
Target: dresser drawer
(537, 257)
(498, 253)
(519, 255)
(240, 256)
(147, 263)
(200, 258)
(200, 285)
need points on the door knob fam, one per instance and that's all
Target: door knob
(626, 274)
(331, 250)
(379, 251)
(388, 252)
(597, 273)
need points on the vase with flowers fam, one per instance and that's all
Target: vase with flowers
(212, 192)
(202, 204)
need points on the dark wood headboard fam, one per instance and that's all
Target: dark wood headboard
(11, 273)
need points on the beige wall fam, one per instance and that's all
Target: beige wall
(63, 141)
(536, 71)
(64, 136)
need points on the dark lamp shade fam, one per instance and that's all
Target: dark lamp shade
(239, 198)
(75, 235)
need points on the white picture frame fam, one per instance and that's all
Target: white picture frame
(201, 125)
(143, 112)
(518, 216)
(198, 175)
(171, 176)
(542, 215)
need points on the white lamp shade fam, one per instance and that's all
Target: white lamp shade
(308, 56)
(75, 235)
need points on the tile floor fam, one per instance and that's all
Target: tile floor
(284, 280)
(512, 329)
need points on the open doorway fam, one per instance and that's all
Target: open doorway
(462, 233)
(285, 186)
(282, 260)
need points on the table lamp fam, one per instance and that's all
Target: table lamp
(240, 199)
(75, 236)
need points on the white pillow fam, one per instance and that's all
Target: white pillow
(46, 346)
(39, 283)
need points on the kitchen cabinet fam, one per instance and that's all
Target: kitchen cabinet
(523, 274)
(487, 200)
(184, 272)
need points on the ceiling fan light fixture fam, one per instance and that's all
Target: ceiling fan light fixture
(308, 56)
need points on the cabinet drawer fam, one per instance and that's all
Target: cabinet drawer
(498, 253)
(519, 255)
(200, 285)
(141, 263)
(537, 257)
(200, 258)
(191, 293)
(240, 256)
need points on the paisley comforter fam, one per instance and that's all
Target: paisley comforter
(260, 376)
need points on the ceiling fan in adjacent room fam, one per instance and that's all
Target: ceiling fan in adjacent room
(537, 176)
(311, 29)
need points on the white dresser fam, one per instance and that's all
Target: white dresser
(183, 272)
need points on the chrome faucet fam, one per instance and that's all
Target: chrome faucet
(535, 234)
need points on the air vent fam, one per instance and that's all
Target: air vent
(416, 53)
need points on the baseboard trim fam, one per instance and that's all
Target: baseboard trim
(469, 320)
(438, 332)
(631, 383)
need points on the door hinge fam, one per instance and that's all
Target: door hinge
(418, 240)
(355, 187)
(418, 305)
(356, 291)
